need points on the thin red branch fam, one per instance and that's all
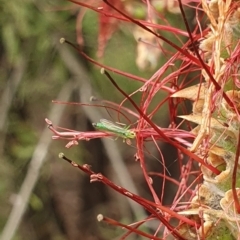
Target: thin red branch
(206, 67)
(151, 207)
(234, 177)
(175, 144)
(113, 222)
(184, 52)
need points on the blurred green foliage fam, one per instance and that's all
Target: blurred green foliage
(29, 34)
(27, 37)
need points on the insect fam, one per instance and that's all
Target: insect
(108, 126)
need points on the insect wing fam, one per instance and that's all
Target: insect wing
(112, 126)
(109, 126)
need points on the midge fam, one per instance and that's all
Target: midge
(108, 126)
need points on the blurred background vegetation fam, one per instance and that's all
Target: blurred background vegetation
(35, 69)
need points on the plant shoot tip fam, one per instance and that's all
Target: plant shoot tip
(100, 217)
(62, 40)
(102, 71)
(93, 99)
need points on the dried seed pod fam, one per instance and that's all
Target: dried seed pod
(213, 7)
(235, 97)
(231, 217)
(207, 197)
(193, 93)
(198, 106)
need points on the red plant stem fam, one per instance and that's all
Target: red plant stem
(135, 225)
(234, 176)
(95, 105)
(206, 68)
(184, 150)
(197, 61)
(131, 229)
(158, 26)
(137, 78)
(148, 205)
(143, 166)
(185, 53)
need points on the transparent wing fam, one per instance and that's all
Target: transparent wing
(106, 125)
(111, 125)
